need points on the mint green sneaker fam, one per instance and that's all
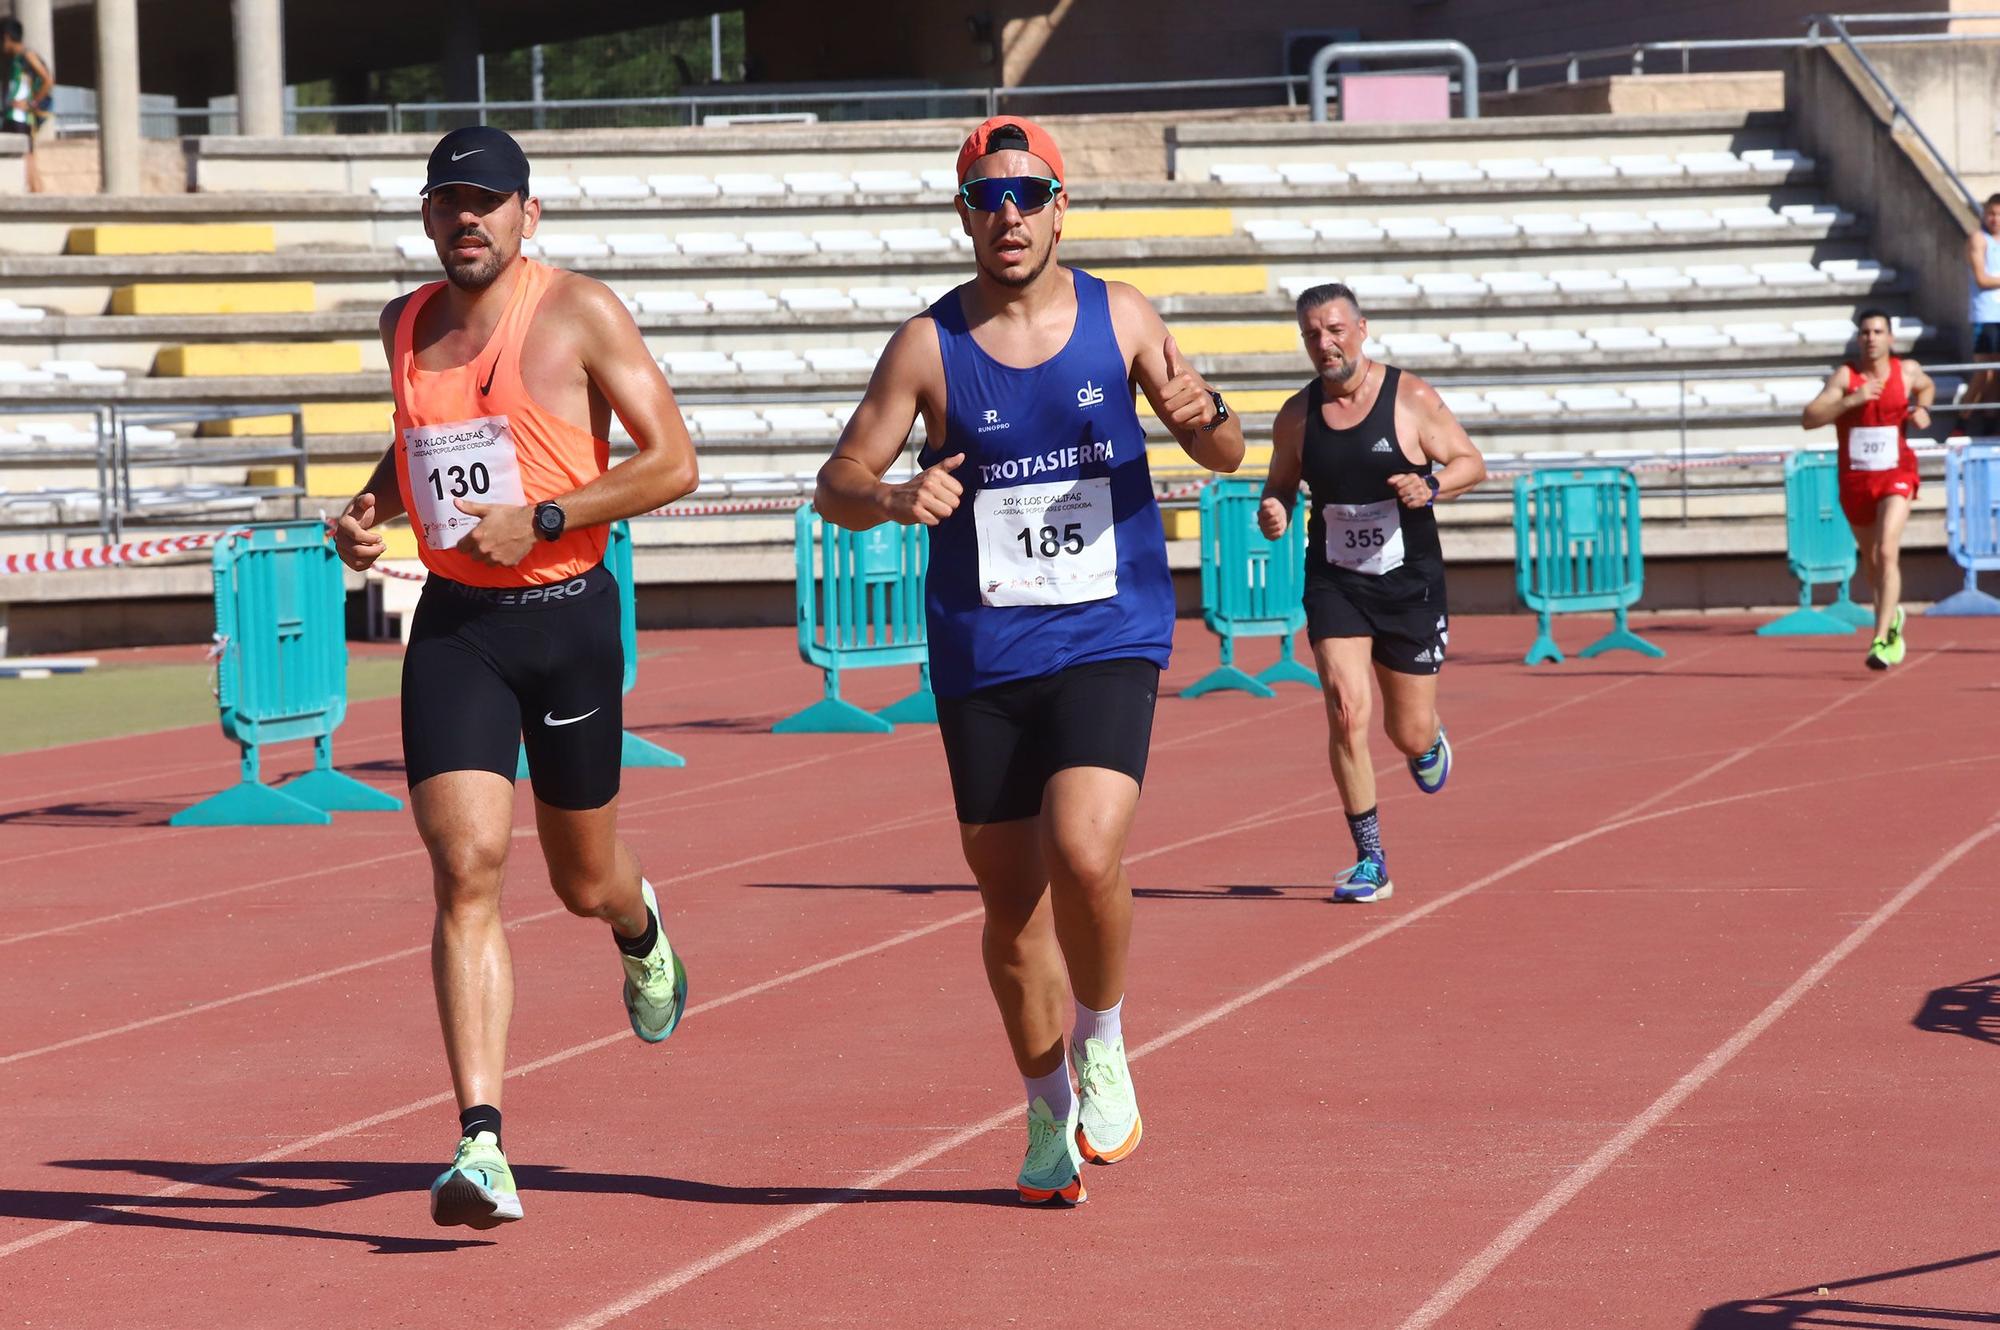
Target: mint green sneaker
(478, 1189)
(1053, 1171)
(656, 984)
(1108, 1126)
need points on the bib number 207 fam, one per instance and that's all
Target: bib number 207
(1049, 542)
(463, 481)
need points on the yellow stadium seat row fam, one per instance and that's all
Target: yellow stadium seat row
(214, 298)
(320, 418)
(1193, 279)
(1137, 223)
(268, 359)
(174, 238)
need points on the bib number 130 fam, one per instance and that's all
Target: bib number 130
(1049, 542)
(461, 481)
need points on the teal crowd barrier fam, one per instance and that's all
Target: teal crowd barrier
(281, 675)
(860, 601)
(633, 751)
(1972, 524)
(1576, 550)
(1819, 547)
(1250, 587)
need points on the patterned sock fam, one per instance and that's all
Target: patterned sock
(1367, 833)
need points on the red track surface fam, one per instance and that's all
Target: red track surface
(1658, 1030)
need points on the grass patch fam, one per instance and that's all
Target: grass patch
(108, 702)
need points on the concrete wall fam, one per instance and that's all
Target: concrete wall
(1916, 220)
(1952, 92)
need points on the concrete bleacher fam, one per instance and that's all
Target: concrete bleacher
(1638, 254)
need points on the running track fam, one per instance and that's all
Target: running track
(1684, 1010)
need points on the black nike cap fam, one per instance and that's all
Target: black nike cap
(478, 155)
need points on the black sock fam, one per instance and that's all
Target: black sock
(478, 1118)
(1367, 833)
(642, 945)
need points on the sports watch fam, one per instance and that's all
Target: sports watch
(1221, 412)
(1432, 481)
(550, 520)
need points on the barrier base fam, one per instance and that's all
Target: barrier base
(637, 752)
(1288, 670)
(338, 792)
(833, 715)
(250, 804)
(1807, 623)
(1228, 679)
(919, 708)
(1621, 639)
(1965, 603)
(1544, 650)
(1847, 611)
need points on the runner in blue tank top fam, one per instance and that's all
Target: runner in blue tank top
(1982, 252)
(1051, 610)
(1377, 447)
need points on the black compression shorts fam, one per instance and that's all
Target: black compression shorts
(1410, 628)
(1003, 743)
(488, 670)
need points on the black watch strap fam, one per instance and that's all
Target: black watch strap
(550, 520)
(1221, 411)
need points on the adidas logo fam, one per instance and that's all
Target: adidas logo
(1426, 657)
(1383, 446)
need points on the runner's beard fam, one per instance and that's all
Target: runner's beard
(1339, 374)
(1018, 282)
(478, 275)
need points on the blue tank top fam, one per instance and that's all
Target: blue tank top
(1056, 555)
(1986, 303)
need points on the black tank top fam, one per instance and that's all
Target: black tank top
(1352, 467)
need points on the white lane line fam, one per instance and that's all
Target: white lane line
(1479, 1267)
(297, 1147)
(319, 976)
(778, 1228)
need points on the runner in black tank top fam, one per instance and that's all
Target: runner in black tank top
(1377, 448)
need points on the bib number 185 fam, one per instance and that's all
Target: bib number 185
(464, 480)
(1049, 542)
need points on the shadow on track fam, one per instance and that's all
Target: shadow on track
(1808, 1308)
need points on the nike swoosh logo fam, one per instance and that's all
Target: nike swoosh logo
(460, 156)
(491, 370)
(549, 718)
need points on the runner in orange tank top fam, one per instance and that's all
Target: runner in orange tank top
(1872, 408)
(506, 376)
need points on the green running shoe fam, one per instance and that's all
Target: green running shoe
(1898, 647)
(1108, 1126)
(1053, 1170)
(656, 984)
(478, 1189)
(1879, 657)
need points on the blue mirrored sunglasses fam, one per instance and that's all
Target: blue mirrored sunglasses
(990, 194)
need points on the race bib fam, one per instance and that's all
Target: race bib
(1364, 537)
(469, 459)
(1048, 544)
(1873, 447)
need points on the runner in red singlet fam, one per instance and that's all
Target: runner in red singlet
(1872, 407)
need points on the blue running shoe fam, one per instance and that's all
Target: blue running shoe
(1432, 769)
(1366, 882)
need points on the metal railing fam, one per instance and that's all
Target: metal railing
(1324, 57)
(1838, 24)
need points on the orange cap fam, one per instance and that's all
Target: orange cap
(979, 143)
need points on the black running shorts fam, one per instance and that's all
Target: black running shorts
(1003, 743)
(1410, 626)
(488, 670)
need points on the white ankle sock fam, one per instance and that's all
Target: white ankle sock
(1108, 1026)
(1053, 1090)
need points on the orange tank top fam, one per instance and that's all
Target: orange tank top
(473, 432)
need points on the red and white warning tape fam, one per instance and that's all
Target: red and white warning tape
(107, 556)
